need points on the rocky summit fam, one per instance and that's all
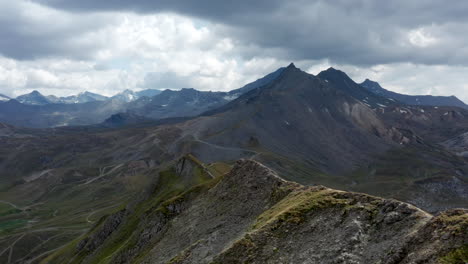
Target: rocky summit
(250, 215)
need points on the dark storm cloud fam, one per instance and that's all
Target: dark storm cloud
(29, 31)
(360, 32)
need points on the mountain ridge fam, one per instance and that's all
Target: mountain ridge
(414, 99)
(261, 214)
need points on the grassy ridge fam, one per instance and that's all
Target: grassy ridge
(168, 188)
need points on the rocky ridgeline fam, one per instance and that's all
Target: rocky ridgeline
(250, 215)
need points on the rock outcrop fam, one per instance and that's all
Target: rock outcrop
(250, 215)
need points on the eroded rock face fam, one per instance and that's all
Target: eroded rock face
(253, 216)
(89, 244)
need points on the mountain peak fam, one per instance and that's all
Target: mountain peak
(370, 81)
(291, 68)
(372, 86)
(332, 73)
(35, 92)
(332, 70)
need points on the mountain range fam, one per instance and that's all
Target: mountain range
(37, 110)
(190, 187)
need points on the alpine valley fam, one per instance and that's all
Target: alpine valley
(291, 168)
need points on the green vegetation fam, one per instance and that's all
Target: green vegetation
(10, 225)
(219, 168)
(6, 209)
(170, 190)
(457, 256)
(454, 221)
(292, 208)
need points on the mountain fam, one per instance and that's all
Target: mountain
(148, 93)
(326, 129)
(130, 96)
(4, 98)
(54, 115)
(251, 215)
(126, 96)
(36, 110)
(189, 102)
(375, 88)
(84, 97)
(36, 98)
(341, 81)
(33, 98)
(256, 84)
(295, 114)
(125, 119)
(127, 190)
(185, 102)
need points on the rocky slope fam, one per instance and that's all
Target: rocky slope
(250, 215)
(295, 116)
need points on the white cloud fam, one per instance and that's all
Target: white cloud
(63, 53)
(421, 37)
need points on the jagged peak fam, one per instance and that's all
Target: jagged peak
(369, 81)
(250, 172)
(292, 66)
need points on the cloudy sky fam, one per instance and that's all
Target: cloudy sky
(64, 47)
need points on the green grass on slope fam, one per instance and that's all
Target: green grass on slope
(9, 225)
(168, 187)
(6, 209)
(457, 256)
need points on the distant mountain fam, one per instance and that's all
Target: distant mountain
(431, 100)
(4, 98)
(33, 98)
(124, 119)
(256, 84)
(148, 93)
(36, 98)
(342, 82)
(84, 97)
(36, 110)
(189, 102)
(126, 96)
(185, 102)
(130, 96)
(58, 114)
